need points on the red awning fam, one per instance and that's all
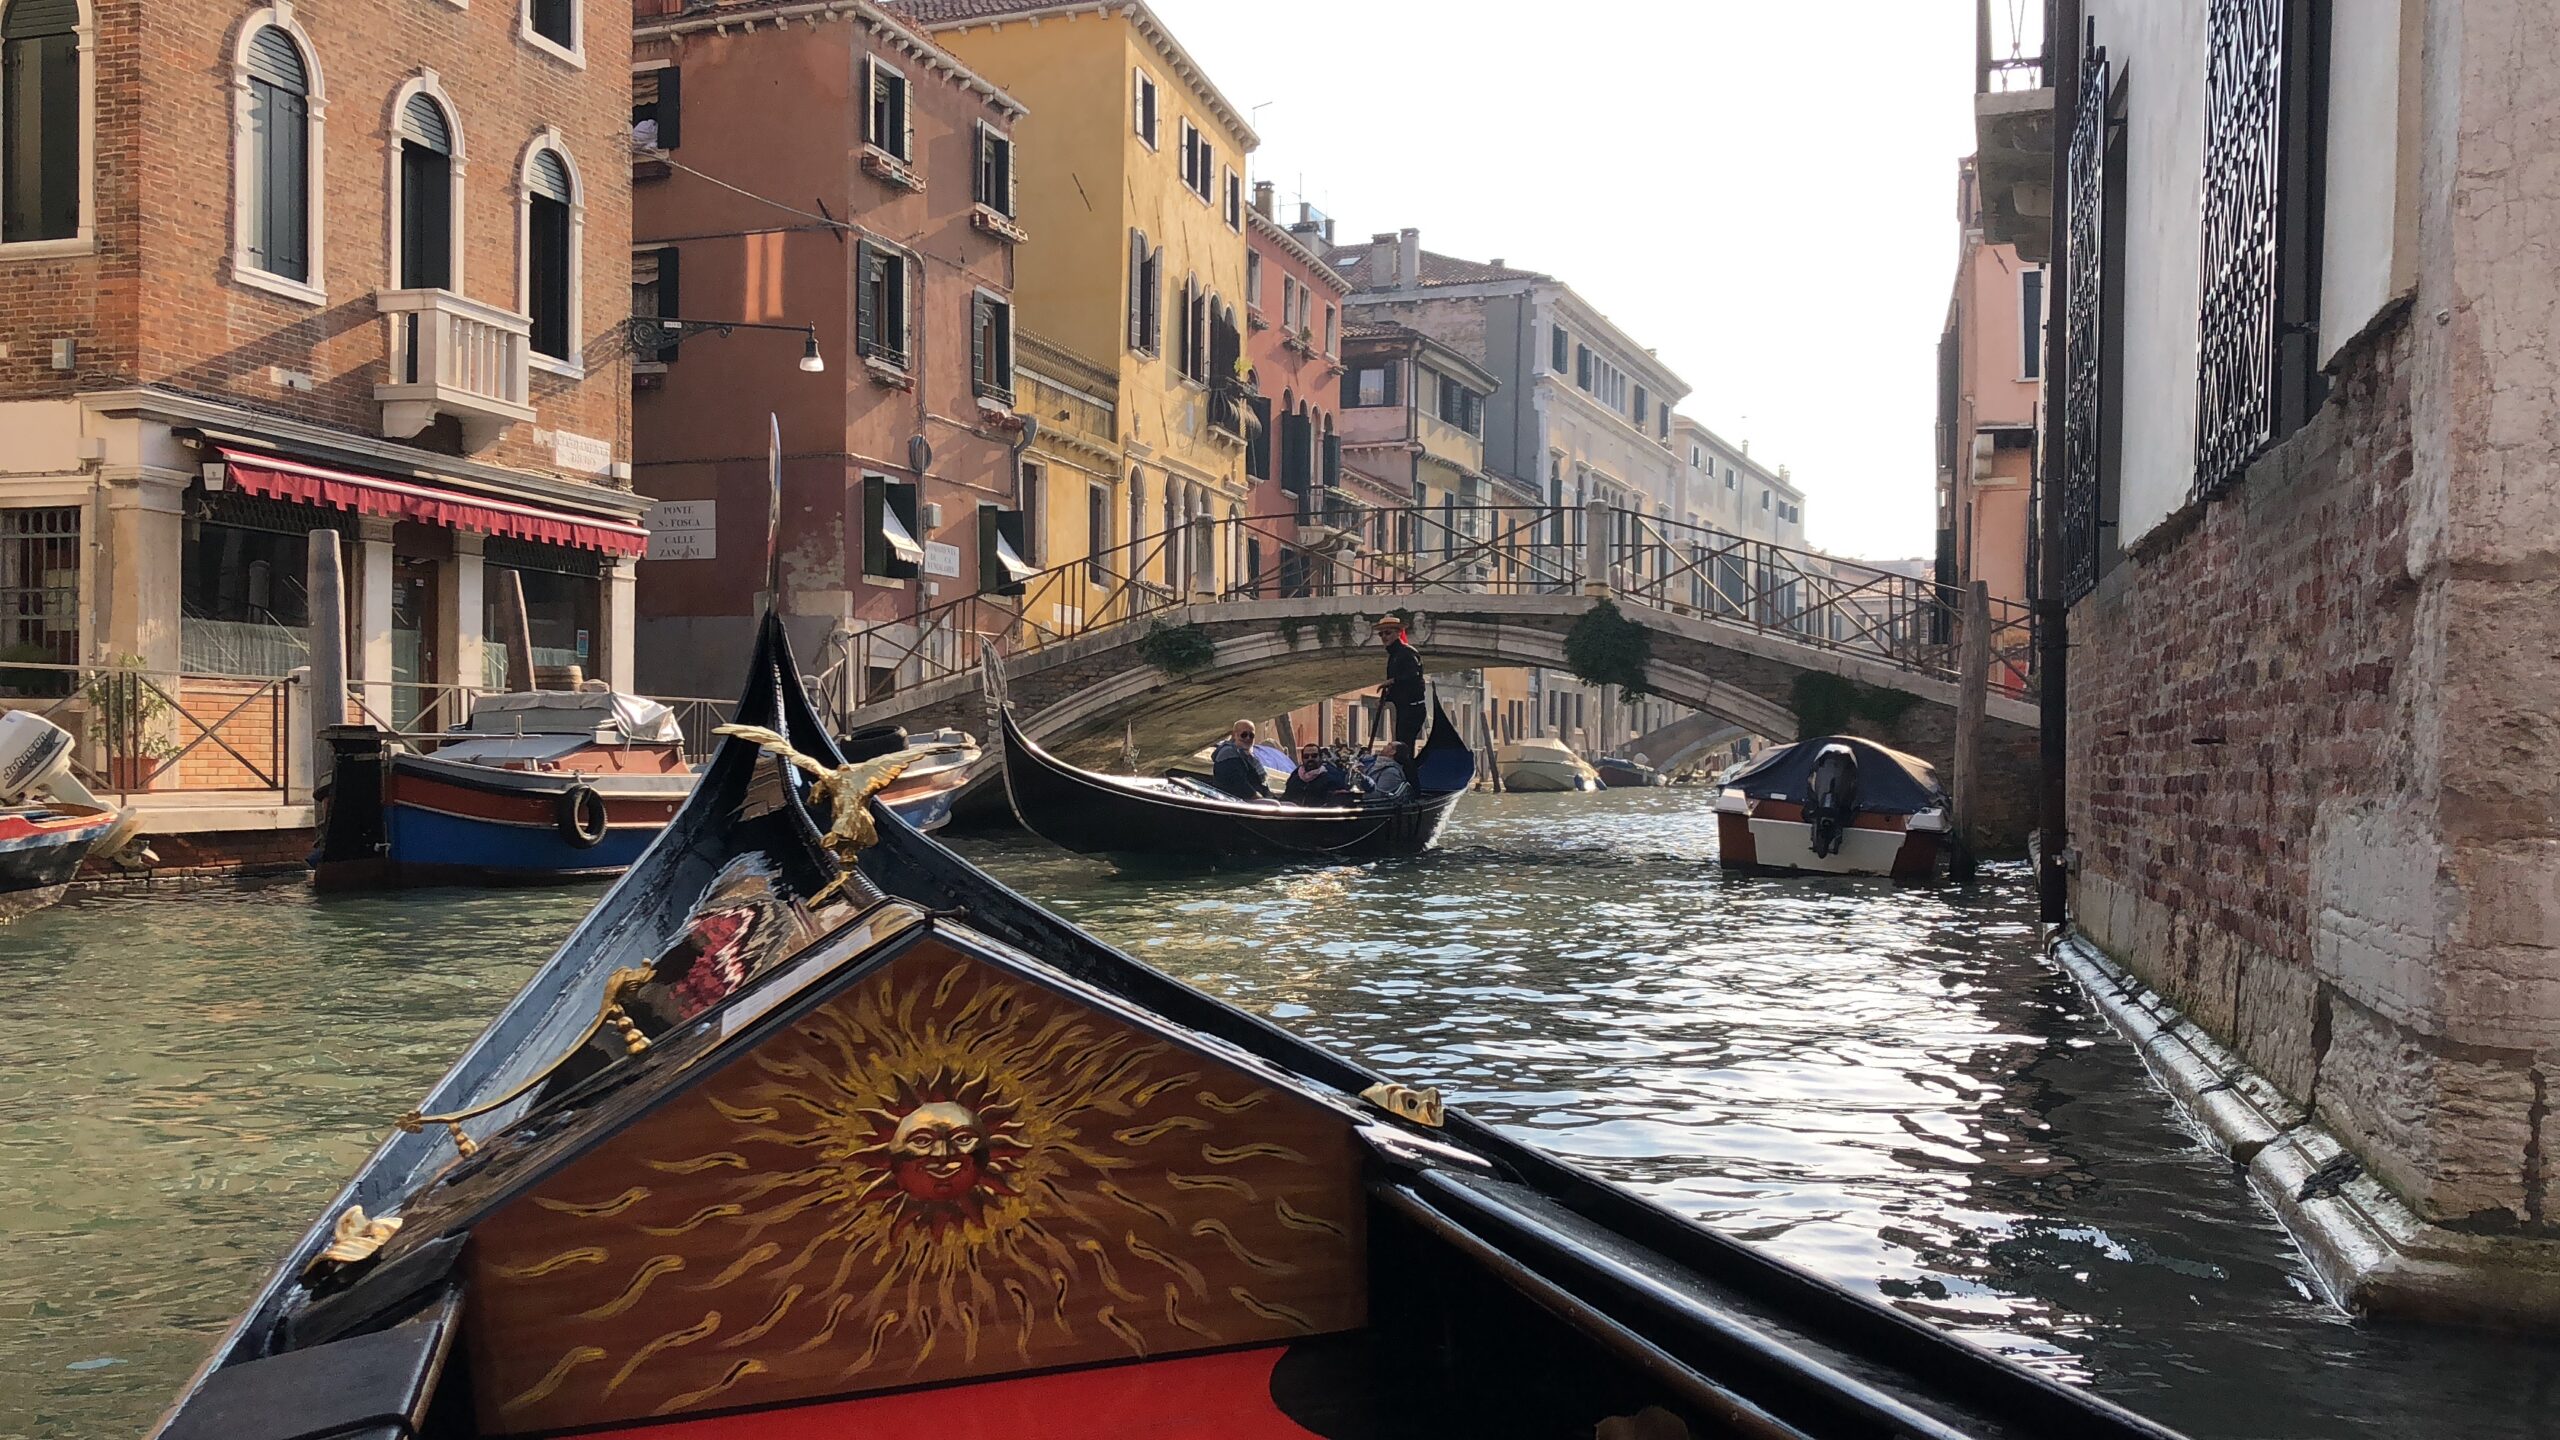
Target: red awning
(282, 479)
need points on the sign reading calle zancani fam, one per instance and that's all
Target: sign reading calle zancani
(941, 559)
(684, 530)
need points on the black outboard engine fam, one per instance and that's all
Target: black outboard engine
(1831, 797)
(872, 742)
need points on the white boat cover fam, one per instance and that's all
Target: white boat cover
(587, 713)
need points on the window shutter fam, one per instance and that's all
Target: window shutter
(670, 108)
(1332, 461)
(981, 176)
(906, 123)
(273, 57)
(1137, 290)
(871, 102)
(1392, 372)
(1155, 300)
(978, 323)
(670, 297)
(422, 120)
(866, 297)
(1009, 196)
(551, 176)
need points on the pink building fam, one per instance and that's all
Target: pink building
(1990, 383)
(1293, 313)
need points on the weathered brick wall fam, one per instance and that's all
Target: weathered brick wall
(2250, 683)
(155, 303)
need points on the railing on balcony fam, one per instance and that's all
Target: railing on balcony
(454, 357)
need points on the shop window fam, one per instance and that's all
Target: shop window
(242, 606)
(563, 607)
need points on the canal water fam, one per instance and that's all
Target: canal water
(1887, 1085)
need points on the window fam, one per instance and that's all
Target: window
(1235, 200)
(657, 108)
(1253, 279)
(1697, 457)
(554, 22)
(1644, 404)
(993, 183)
(653, 289)
(2031, 323)
(1097, 531)
(1199, 161)
(1332, 341)
(1369, 387)
(1764, 499)
(1146, 295)
(880, 304)
(1288, 303)
(1729, 477)
(41, 183)
(1662, 423)
(991, 347)
(1558, 360)
(428, 214)
(1582, 367)
(551, 225)
(890, 130)
(1191, 351)
(1143, 108)
(40, 585)
(276, 158)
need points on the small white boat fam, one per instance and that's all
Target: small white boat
(1540, 765)
(1832, 805)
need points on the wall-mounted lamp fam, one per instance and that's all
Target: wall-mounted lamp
(651, 334)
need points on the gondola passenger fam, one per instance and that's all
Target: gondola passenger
(1317, 780)
(1382, 778)
(1235, 768)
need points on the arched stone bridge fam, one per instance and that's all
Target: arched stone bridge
(1083, 694)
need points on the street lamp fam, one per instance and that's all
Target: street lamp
(649, 334)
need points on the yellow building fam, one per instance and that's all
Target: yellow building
(1072, 479)
(1131, 186)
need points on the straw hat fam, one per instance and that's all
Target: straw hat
(1387, 623)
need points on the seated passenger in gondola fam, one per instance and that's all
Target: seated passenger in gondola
(1382, 777)
(1317, 780)
(1235, 768)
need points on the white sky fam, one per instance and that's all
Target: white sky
(1763, 192)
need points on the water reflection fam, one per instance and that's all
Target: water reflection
(1880, 1083)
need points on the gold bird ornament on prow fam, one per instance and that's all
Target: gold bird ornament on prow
(847, 789)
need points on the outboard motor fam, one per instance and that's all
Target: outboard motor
(872, 742)
(1831, 797)
(35, 760)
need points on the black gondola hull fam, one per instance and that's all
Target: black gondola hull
(1104, 815)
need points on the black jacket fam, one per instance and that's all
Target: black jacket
(1404, 673)
(1237, 772)
(1327, 784)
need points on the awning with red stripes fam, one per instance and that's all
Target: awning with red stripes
(278, 478)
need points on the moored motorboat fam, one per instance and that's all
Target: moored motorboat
(812, 1129)
(1182, 818)
(1619, 772)
(534, 788)
(1834, 805)
(1541, 764)
(50, 823)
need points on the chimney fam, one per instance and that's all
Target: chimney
(1409, 260)
(1382, 261)
(1499, 263)
(1262, 201)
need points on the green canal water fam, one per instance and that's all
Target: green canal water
(1887, 1085)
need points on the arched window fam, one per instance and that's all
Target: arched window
(553, 220)
(277, 157)
(425, 185)
(41, 182)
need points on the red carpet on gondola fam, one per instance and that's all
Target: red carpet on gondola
(1199, 1397)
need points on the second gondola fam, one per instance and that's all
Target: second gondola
(1120, 815)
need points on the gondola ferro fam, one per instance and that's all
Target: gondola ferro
(811, 1129)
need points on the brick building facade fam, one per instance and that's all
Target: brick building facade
(354, 267)
(1294, 460)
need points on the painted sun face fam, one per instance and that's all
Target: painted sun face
(935, 1153)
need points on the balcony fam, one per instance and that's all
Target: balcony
(454, 357)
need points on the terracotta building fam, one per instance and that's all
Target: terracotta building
(882, 218)
(268, 270)
(1293, 316)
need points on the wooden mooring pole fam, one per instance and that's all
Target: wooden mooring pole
(325, 585)
(1973, 682)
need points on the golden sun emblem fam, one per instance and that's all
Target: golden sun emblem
(945, 1149)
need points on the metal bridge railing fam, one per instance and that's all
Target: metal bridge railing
(1808, 598)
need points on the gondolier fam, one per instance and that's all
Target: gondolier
(1403, 689)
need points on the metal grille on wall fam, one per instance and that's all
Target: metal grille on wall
(2084, 322)
(2243, 173)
